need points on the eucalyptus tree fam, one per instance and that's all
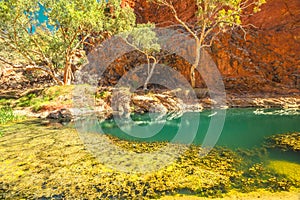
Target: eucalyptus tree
(52, 45)
(143, 38)
(212, 17)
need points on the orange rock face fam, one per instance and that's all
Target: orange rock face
(268, 61)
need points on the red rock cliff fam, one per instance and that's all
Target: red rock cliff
(267, 61)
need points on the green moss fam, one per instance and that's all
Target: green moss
(290, 170)
(285, 142)
(54, 162)
(258, 176)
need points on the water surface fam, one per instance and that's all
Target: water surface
(243, 128)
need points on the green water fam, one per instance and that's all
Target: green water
(243, 128)
(50, 161)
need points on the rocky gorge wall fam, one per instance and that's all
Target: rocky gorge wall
(267, 61)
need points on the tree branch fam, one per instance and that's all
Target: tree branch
(42, 68)
(8, 62)
(169, 5)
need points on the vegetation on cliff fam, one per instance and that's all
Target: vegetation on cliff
(58, 45)
(212, 18)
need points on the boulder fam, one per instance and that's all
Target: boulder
(62, 115)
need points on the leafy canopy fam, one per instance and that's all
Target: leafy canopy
(214, 16)
(143, 38)
(71, 25)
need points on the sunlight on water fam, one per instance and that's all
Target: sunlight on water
(244, 128)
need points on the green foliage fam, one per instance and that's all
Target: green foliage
(212, 15)
(6, 102)
(143, 38)
(26, 100)
(15, 25)
(32, 100)
(7, 115)
(57, 95)
(72, 23)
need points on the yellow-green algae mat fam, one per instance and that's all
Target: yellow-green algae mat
(51, 162)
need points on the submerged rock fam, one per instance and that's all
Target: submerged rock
(288, 141)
